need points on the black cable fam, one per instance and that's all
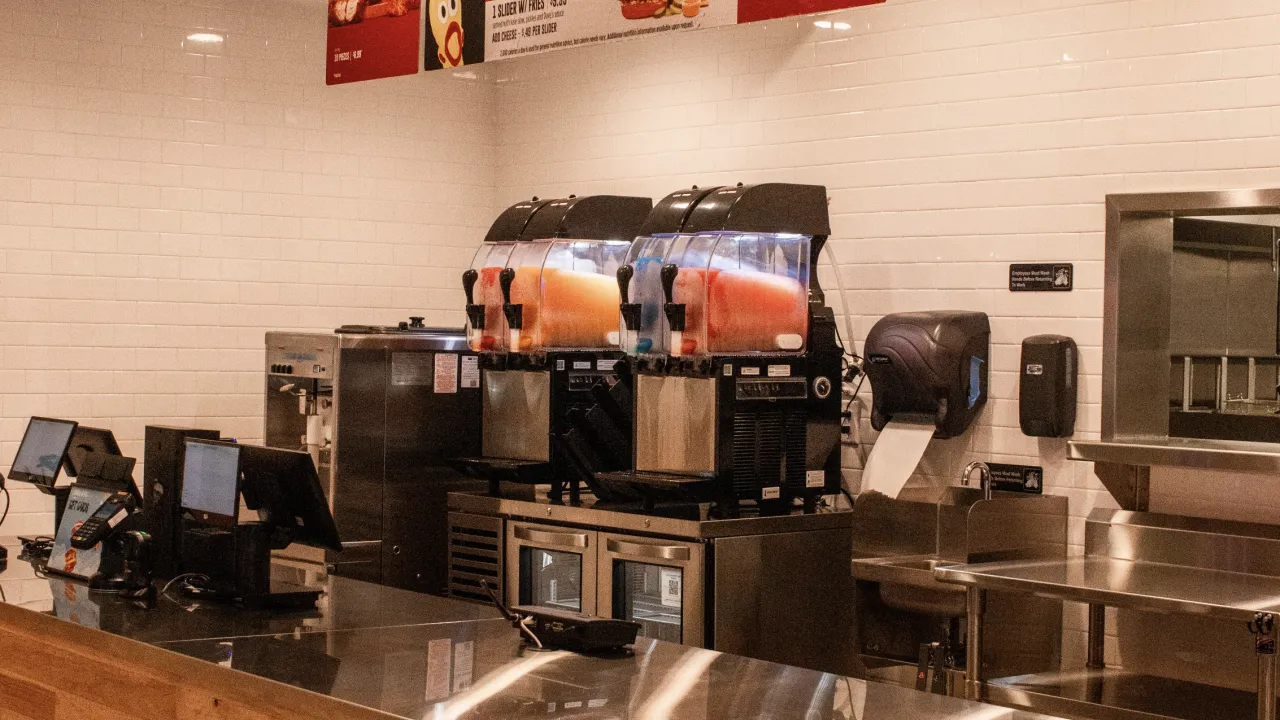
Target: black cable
(7, 503)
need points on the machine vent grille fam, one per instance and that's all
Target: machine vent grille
(475, 554)
(768, 449)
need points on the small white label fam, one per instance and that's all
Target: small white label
(464, 660)
(605, 365)
(728, 369)
(598, 703)
(672, 580)
(470, 371)
(815, 478)
(770, 493)
(560, 364)
(439, 660)
(115, 519)
(446, 375)
(581, 364)
(1035, 369)
(554, 593)
(572, 704)
(750, 372)
(779, 371)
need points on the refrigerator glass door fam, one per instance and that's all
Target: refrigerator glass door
(551, 567)
(657, 583)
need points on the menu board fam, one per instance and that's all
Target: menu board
(371, 39)
(466, 32)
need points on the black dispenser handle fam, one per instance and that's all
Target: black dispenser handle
(475, 313)
(630, 310)
(514, 312)
(674, 310)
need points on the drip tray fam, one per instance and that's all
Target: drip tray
(653, 486)
(524, 472)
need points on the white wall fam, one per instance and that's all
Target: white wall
(164, 201)
(955, 137)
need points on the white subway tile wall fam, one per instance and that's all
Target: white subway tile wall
(165, 200)
(955, 137)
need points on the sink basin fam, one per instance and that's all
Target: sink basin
(908, 584)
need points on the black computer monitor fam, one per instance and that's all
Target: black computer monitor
(42, 452)
(211, 482)
(284, 484)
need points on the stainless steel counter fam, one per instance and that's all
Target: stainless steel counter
(1126, 583)
(481, 670)
(686, 520)
(346, 605)
(415, 656)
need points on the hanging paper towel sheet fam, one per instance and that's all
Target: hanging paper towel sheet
(895, 456)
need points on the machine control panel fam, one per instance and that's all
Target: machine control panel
(301, 362)
(772, 388)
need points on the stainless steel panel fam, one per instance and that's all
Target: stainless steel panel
(1176, 540)
(516, 421)
(634, 520)
(675, 424)
(548, 538)
(1126, 583)
(688, 557)
(475, 556)
(1113, 694)
(522, 535)
(647, 550)
(758, 607)
(1183, 452)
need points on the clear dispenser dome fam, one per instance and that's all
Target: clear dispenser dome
(488, 263)
(740, 292)
(646, 258)
(579, 303)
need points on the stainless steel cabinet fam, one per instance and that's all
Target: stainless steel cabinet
(551, 566)
(657, 583)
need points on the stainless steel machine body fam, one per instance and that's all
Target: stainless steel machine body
(382, 410)
(1171, 576)
(902, 607)
(761, 586)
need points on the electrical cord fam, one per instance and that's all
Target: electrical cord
(7, 502)
(524, 625)
(164, 592)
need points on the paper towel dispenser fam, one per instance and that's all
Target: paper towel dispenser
(930, 365)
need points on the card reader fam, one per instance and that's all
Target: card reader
(564, 630)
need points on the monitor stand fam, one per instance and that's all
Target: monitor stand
(238, 563)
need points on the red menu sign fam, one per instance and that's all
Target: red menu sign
(371, 39)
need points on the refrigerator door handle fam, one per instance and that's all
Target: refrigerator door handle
(643, 550)
(556, 539)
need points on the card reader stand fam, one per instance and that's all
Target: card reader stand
(237, 562)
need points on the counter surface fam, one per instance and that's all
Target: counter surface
(481, 670)
(400, 654)
(1128, 583)
(346, 605)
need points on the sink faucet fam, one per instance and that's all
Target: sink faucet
(984, 477)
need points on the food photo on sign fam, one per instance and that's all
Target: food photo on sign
(371, 39)
(455, 33)
(647, 9)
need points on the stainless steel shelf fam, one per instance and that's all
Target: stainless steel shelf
(1180, 452)
(1126, 583)
(1118, 695)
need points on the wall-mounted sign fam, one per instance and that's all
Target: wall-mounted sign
(1042, 277)
(1017, 478)
(371, 39)
(466, 32)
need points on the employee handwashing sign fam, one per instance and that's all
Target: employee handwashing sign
(514, 28)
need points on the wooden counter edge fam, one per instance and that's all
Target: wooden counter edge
(51, 669)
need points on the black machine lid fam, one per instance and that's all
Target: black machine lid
(764, 208)
(511, 223)
(589, 217)
(671, 213)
